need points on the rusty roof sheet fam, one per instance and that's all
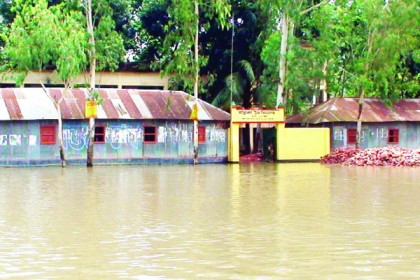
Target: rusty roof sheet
(34, 103)
(347, 109)
(18, 103)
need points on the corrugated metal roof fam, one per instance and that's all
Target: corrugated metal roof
(34, 103)
(17, 104)
(347, 110)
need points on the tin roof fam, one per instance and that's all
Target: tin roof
(34, 103)
(347, 109)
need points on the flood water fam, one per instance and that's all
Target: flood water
(264, 221)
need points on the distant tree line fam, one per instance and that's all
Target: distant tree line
(258, 52)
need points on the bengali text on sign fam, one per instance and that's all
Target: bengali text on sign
(257, 116)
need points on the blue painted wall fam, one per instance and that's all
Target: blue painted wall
(376, 135)
(20, 143)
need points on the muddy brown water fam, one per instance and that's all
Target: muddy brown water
(252, 221)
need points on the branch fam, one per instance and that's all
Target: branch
(313, 7)
(45, 89)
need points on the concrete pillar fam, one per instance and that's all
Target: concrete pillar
(280, 129)
(233, 152)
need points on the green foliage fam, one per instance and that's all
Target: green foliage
(95, 96)
(178, 47)
(44, 36)
(27, 47)
(238, 87)
(70, 58)
(366, 44)
(109, 44)
(148, 25)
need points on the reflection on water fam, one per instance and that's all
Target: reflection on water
(290, 221)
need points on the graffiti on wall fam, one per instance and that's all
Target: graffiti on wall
(124, 135)
(338, 134)
(381, 133)
(16, 140)
(174, 133)
(76, 138)
(216, 134)
(180, 133)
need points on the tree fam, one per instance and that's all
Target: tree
(104, 50)
(28, 48)
(287, 14)
(148, 33)
(181, 45)
(215, 43)
(368, 43)
(239, 86)
(68, 48)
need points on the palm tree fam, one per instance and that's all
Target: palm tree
(239, 87)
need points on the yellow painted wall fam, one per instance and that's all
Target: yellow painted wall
(294, 144)
(233, 150)
(240, 116)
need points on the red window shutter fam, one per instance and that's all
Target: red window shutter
(393, 136)
(351, 136)
(150, 135)
(201, 134)
(47, 134)
(99, 134)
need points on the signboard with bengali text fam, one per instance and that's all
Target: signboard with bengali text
(257, 115)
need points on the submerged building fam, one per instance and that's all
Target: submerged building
(382, 125)
(132, 127)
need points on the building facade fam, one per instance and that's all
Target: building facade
(132, 127)
(104, 79)
(382, 125)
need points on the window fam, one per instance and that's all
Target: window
(393, 136)
(150, 136)
(99, 134)
(351, 136)
(47, 133)
(201, 134)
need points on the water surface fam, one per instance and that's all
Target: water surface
(265, 221)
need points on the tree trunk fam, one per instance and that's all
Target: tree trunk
(363, 90)
(285, 24)
(91, 136)
(60, 133)
(323, 84)
(60, 122)
(196, 74)
(92, 62)
(359, 120)
(343, 81)
(282, 59)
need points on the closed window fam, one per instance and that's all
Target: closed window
(393, 136)
(351, 136)
(201, 134)
(150, 135)
(47, 133)
(99, 134)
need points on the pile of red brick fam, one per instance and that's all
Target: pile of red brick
(387, 156)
